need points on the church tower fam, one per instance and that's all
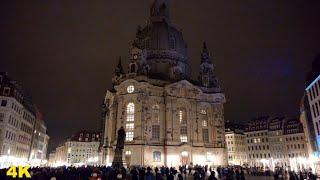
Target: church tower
(207, 76)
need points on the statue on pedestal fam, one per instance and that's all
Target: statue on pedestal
(117, 160)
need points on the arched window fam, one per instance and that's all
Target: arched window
(156, 156)
(204, 118)
(156, 114)
(182, 117)
(132, 68)
(130, 112)
(205, 135)
(130, 122)
(183, 126)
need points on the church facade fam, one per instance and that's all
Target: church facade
(169, 118)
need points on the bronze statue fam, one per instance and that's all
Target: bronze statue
(117, 160)
(121, 138)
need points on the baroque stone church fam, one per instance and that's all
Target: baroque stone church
(169, 118)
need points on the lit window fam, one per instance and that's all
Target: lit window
(183, 130)
(130, 126)
(184, 153)
(182, 117)
(128, 153)
(204, 123)
(156, 114)
(156, 156)
(130, 112)
(129, 136)
(156, 132)
(183, 138)
(130, 89)
(203, 111)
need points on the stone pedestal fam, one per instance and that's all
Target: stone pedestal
(117, 160)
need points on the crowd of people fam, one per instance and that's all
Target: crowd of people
(159, 173)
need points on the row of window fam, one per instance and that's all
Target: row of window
(88, 135)
(86, 139)
(257, 140)
(130, 113)
(294, 138)
(157, 155)
(236, 142)
(261, 155)
(23, 153)
(16, 108)
(314, 91)
(10, 135)
(236, 157)
(235, 136)
(79, 155)
(81, 150)
(264, 147)
(13, 121)
(316, 109)
(24, 139)
(26, 128)
(237, 149)
(18, 152)
(295, 146)
(28, 117)
(257, 134)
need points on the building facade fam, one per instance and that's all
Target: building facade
(82, 148)
(276, 142)
(236, 144)
(311, 110)
(17, 120)
(169, 118)
(40, 140)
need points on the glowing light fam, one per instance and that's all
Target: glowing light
(6, 161)
(209, 156)
(184, 153)
(173, 160)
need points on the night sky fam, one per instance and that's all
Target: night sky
(64, 52)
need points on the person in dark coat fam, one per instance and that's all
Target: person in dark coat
(212, 176)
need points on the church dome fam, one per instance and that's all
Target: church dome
(164, 45)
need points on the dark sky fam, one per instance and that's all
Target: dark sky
(64, 52)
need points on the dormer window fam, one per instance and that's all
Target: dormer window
(133, 68)
(6, 91)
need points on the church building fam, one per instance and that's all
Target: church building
(169, 117)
